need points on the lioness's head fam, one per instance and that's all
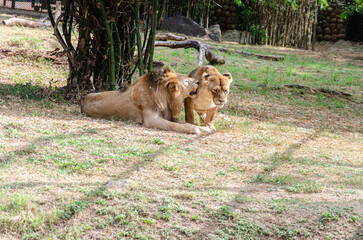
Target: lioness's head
(213, 86)
(218, 86)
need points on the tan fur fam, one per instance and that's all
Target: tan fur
(212, 94)
(155, 100)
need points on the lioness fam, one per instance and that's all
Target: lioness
(212, 94)
(155, 100)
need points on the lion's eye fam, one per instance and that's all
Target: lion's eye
(226, 91)
(215, 90)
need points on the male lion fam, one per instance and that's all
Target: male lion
(155, 100)
(212, 94)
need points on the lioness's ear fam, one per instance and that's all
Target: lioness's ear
(205, 76)
(229, 76)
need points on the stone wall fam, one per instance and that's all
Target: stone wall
(330, 27)
(225, 16)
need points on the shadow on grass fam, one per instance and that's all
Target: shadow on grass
(29, 91)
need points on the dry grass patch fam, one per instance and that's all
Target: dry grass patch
(282, 164)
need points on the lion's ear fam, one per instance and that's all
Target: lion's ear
(167, 70)
(229, 76)
(172, 86)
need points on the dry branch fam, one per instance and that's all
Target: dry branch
(24, 23)
(170, 36)
(265, 57)
(56, 56)
(204, 50)
(322, 90)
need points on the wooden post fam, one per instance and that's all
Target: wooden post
(13, 4)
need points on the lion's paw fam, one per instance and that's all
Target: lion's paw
(197, 131)
(206, 130)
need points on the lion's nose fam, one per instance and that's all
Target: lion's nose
(221, 100)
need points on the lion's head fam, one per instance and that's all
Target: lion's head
(213, 87)
(171, 88)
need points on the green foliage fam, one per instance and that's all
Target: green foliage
(328, 217)
(258, 32)
(71, 209)
(354, 6)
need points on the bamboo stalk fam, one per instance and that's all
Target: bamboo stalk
(138, 37)
(155, 19)
(111, 45)
(284, 31)
(311, 20)
(314, 25)
(119, 52)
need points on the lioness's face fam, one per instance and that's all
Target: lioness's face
(218, 86)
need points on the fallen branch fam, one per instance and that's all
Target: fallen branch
(170, 36)
(24, 23)
(204, 50)
(265, 57)
(322, 90)
(56, 56)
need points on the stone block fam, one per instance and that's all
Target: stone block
(321, 17)
(332, 26)
(324, 24)
(327, 31)
(341, 36)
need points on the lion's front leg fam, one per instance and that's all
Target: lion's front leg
(207, 117)
(153, 120)
(189, 110)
